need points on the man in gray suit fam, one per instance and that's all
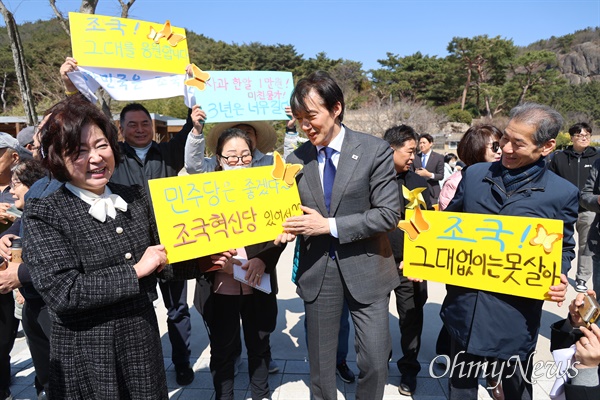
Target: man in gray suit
(350, 200)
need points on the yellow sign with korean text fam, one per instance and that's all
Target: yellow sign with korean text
(208, 213)
(122, 43)
(520, 256)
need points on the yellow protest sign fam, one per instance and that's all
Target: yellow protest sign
(209, 213)
(122, 43)
(520, 256)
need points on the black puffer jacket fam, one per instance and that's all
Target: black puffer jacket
(574, 167)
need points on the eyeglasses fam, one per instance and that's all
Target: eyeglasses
(495, 146)
(14, 184)
(582, 136)
(233, 160)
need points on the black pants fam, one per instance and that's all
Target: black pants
(174, 294)
(463, 385)
(258, 312)
(410, 299)
(37, 327)
(8, 332)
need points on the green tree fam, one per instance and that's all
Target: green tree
(534, 70)
(353, 81)
(320, 63)
(414, 77)
(484, 61)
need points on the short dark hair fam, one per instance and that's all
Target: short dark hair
(546, 120)
(226, 136)
(132, 107)
(426, 136)
(324, 85)
(578, 127)
(61, 135)
(448, 157)
(29, 171)
(396, 136)
(473, 145)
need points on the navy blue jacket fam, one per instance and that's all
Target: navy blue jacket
(500, 325)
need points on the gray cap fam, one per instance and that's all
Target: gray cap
(25, 136)
(7, 141)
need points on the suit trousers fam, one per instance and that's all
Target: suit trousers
(174, 294)
(258, 312)
(464, 381)
(409, 303)
(8, 332)
(37, 327)
(372, 341)
(343, 336)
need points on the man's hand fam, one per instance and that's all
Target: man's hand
(310, 224)
(9, 278)
(423, 172)
(198, 118)
(558, 293)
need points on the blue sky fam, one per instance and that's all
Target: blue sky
(362, 30)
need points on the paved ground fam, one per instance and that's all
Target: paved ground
(289, 350)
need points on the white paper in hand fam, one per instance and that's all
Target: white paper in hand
(239, 274)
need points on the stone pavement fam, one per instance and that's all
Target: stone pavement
(289, 350)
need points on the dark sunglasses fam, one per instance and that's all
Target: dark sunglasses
(495, 146)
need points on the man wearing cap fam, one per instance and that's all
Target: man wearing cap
(25, 138)
(261, 134)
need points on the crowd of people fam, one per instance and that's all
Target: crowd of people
(77, 199)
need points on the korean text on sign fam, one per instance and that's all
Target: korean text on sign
(208, 213)
(245, 95)
(505, 254)
(122, 43)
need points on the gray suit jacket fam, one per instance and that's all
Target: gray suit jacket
(365, 205)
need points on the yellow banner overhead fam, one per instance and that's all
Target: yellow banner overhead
(122, 43)
(520, 256)
(204, 214)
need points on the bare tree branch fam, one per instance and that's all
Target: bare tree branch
(88, 6)
(125, 8)
(61, 18)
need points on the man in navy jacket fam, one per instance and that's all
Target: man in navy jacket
(485, 324)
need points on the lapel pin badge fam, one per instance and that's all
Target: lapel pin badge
(354, 157)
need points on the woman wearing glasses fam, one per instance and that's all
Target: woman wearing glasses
(228, 300)
(479, 144)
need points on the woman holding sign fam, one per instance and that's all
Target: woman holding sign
(92, 251)
(228, 299)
